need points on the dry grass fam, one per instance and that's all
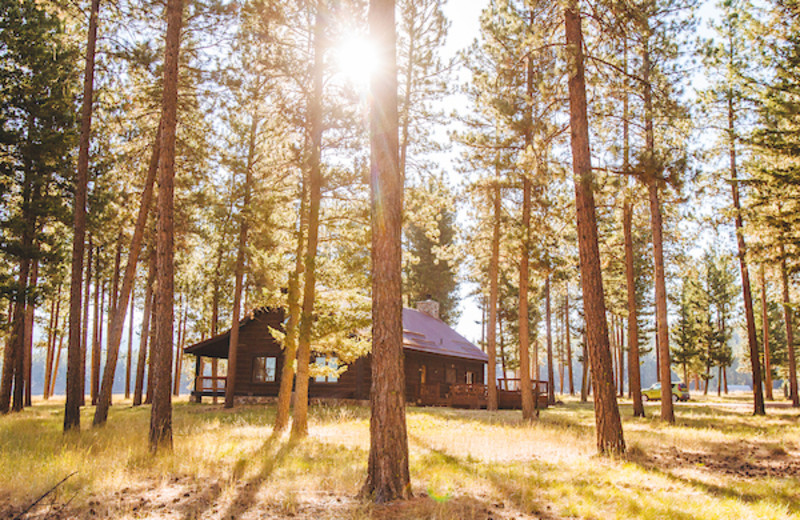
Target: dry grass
(717, 462)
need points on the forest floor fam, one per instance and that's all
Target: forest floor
(717, 462)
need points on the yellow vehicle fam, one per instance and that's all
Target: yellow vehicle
(680, 392)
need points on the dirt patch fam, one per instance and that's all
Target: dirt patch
(183, 498)
(744, 460)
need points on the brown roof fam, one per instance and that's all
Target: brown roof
(425, 333)
(421, 333)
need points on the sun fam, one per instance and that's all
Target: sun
(356, 60)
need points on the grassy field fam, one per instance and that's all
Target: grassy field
(717, 462)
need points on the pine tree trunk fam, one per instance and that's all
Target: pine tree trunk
(787, 313)
(551, 383)
(56, 365)
(387, 470)
(656, 225)
(491, 327)
(233, 350)
(634, 373)
(51, 344)
(147, 312)
(568, 340)
(94, 372)
(120, 302)
(300, 414)
(755, 364)
(87, 292)
(161, 413)
(215, 323)
(609, 427)
(30, 309)
(128, 358)
(528, 407)
(293, 297)
(13, 354)
(75, 352)
(765, 331)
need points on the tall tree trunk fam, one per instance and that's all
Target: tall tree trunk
(494, 269)
(56, 365)
(609, 426)
(568, 340)
(13, 355)
(138, 388)
(787, 314)
(551, 385)
(387, 470)
(51, 344)
(765, 330)
(119, 307)
(75, 356)
(128, 358)
(28, 334)
(752, 341)
(87, 292)
(634, 373)
(233, 350)
(585, 374)
(97, 322)
(215, 323)
(300, 413)
(656, 225)
(293, 297)
(528, 407)
(621, 343)
(161, 413)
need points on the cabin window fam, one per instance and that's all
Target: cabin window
(264, 369)
(423, 372)
(450, 375)
(329, 366)
(470, 378)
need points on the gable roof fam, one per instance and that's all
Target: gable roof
(424, 333)
(421, 333)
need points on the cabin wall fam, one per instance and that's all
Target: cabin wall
(255, 341)
(437, 381)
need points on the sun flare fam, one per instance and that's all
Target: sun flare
(357, 59)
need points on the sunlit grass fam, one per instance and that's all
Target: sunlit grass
(716, 462)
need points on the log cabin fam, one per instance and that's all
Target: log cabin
(442, 368)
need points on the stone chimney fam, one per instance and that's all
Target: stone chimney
(429, 307)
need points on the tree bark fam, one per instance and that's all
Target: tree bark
(51, 344)
(526, 390)
(230, 387)
(491, 328)
(293, 297)
(138, 388)
(787, 314)
(387, 470)
(128, 359)
(300, 414)
(119, 307)
(568, 340)
(752, 341)
(608, 424)
(75, 356)
(765, 331)
(161, 413)
(30, 310)
(94, 372)
(634, 373)
(551, 384)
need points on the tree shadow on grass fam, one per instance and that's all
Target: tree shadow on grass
(509, 490)
(717, 460)
(270, 458)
